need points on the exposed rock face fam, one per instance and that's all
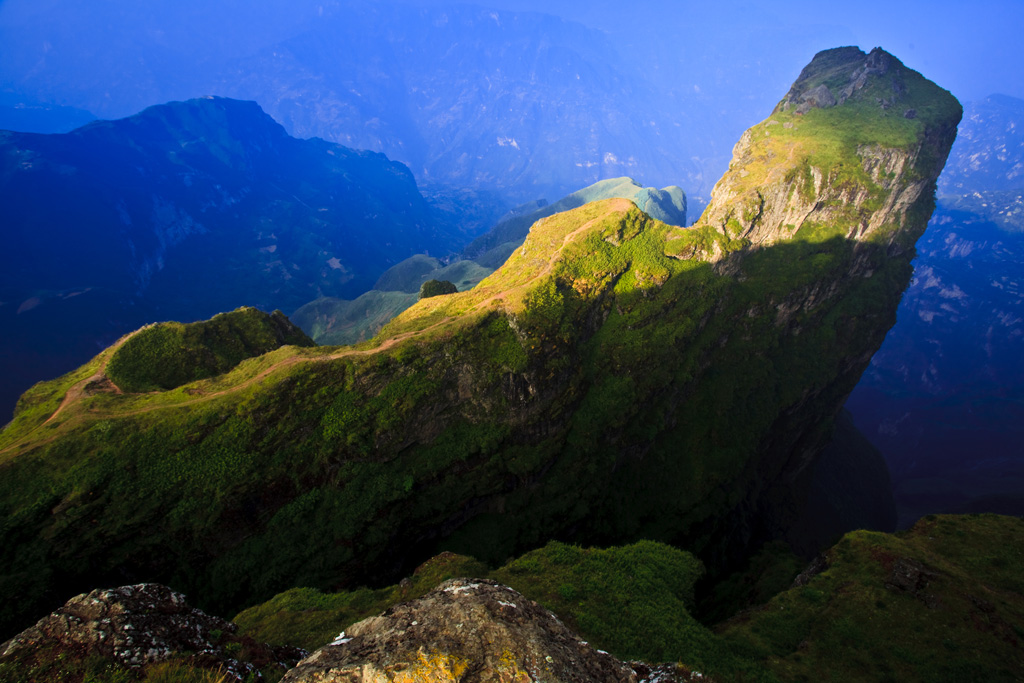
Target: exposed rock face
(134, 626)
(468, 630)
(790, 194)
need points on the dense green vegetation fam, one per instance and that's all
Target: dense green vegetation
(168, 355)
(634, 600)
(597, 388)
(437, 288)
(942, 602)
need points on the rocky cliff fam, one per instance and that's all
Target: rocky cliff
(617, 378)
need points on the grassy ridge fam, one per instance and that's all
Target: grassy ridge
(243, 478)
(595, 388)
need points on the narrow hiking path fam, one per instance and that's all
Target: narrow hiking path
(78, 391)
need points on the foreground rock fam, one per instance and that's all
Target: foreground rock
(470, 630)
(134, 627)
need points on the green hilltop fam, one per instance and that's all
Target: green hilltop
(618, 378)
(168, 355)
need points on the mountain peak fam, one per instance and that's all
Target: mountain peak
(849, 151)
(207, 125)
(606, 384)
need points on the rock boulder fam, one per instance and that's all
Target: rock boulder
(467, 630)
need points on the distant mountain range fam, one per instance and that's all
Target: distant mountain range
(182, 211)
(526, 103)
(944, 396)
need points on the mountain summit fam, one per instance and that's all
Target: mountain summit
(617, 378)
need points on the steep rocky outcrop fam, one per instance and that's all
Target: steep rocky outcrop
(134, 628)
(777, 185)
(617, 378)
(465, 630)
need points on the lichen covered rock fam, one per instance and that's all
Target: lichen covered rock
(464, 630)
(134, 627)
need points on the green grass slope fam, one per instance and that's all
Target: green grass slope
(667, 205)
(941, 602)
(633, 601)
(408, 275)
(602, 386)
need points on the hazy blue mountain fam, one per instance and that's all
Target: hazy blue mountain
(182, 211)
(470, 96)
(944, 396)
(519, 101)
(32, 117)
(989, 151)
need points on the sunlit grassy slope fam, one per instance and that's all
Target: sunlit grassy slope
(602, 386)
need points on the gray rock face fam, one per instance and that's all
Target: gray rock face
(135, 626)
(467, 630)
(820, 97)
